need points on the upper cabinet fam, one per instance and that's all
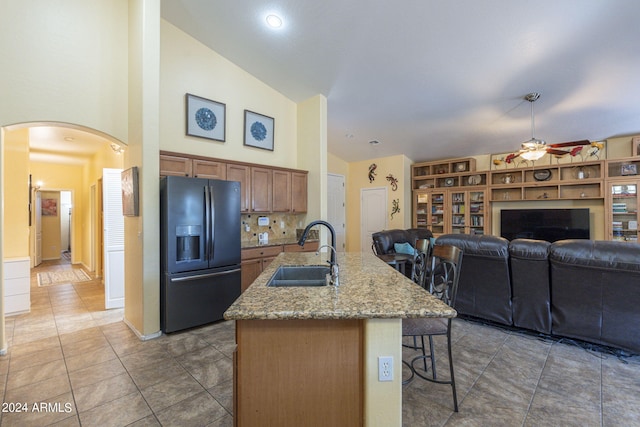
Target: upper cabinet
(175, 165)
(209, 169)
(171, 165)
(281, 191)
(261, 189)
(264, 189)
(242, 174)
(298, 192)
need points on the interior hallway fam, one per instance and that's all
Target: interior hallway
(70, 351)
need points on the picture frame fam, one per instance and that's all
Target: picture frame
(130, 191)
(258, 130)
(49, 207)
(630, 169)
(205, 118)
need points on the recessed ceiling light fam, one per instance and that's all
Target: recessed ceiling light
(68, 138)
(274, 21)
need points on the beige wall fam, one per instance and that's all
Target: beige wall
(358, 178)
(16, 207)
(65, 62)
(188, 66)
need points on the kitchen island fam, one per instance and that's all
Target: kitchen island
(309, 355)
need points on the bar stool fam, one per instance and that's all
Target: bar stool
(443, 283)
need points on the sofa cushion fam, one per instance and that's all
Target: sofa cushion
(404, 248)
(529, 262)
(595, 291)
(484, 289)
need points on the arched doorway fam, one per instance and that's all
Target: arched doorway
(57, 157)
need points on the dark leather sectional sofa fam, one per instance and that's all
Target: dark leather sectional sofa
(583, 289)
(383, 241)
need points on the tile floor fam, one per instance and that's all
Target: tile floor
(91, 370)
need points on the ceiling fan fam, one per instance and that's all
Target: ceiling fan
(535, 148)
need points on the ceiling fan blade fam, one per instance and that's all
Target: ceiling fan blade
(556, 152)
(570, 144)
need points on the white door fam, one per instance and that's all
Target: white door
(113, 238)
(373, 214)
(38, 233)
(336, 208)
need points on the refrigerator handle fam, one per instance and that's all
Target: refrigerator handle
(212, 219)
(207, 221)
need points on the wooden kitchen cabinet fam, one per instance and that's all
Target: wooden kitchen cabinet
(264, 189)
(254, 261)
(298, 192)
(261, 189)
(281, 191)
(242, 174)
(171, 165)
(209, 169)
(175, 165)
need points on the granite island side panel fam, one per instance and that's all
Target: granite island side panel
(369, 289)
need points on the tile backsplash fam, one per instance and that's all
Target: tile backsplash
(281, 226)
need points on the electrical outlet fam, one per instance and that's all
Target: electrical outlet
(385, 368)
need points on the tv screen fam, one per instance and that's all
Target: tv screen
(544, 224)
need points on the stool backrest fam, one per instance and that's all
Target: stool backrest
(445, 272)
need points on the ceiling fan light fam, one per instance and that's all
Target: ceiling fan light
(533, 155)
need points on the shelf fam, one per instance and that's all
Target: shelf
(623, 168)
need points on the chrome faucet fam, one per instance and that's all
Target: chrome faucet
(335, 268)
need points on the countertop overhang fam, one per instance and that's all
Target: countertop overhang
(369, 288)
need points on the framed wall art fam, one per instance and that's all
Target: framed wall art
(49, 207)
(258, 130)
(129, 181)
(205, 118)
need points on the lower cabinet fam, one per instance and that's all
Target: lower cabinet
(255, 260)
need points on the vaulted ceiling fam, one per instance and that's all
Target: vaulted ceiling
(432, 78)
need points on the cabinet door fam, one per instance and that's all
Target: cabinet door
(298, 192)
(208, 169)
(467, 212)
(175, 166)
(241, 174)
(281, 191)
(458, 218)
(420, 209)
(437, 213)
(622, 207)
(477, 212)
(261, 189)
(250, 270)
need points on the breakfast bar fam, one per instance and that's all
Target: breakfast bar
(308, 355)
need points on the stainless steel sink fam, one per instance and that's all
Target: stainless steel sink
(300, 275)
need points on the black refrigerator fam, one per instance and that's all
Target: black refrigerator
(200, 250)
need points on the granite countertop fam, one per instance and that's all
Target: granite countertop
(369, 288)
(272, 242)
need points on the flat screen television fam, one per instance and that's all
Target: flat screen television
(544, 224)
